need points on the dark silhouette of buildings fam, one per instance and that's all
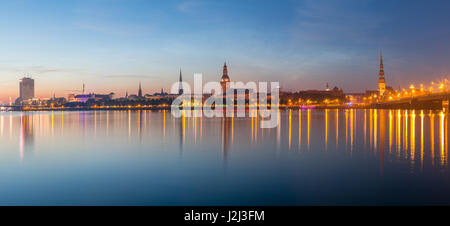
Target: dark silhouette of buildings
(180, 88)
(140, 90)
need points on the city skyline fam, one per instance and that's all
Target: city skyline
(303, 44)
(225, 110)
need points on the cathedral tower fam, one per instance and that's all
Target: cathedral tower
(140, 90)
(381, 80)
(225, 80)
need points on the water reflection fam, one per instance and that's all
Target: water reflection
(337, 127)
(443, 138)
(375, 124)
(404, 135)
(290, 128)
(26, 144)
(416, 137)
(151, 155)
(226, 135)
(413, 137)
(299, 129)
(431, 115)
(390, 131)
(182, 129)
(309, 127)
(399, 116)
(351, 131)
(382, 138)
(421, 139)
(326, 129)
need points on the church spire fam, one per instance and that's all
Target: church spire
(225, 79)
(381, 79)
(180, 87)
(140, 90)
(381, 65)
(225, 70)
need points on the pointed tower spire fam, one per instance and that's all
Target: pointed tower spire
(225, 79)
(381, 79)
(140, 90)
(180, 86)
(225, 69)
(381, 65)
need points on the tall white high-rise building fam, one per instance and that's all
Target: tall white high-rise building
(26, 87)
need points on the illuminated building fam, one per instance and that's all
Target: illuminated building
(83, 98)
(306, 97)
(160, 95)
(71, 97)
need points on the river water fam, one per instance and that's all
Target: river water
(314, 157)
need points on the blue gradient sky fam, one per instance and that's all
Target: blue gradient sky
(111, 45)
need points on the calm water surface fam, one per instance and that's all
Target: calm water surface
(315, 157)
